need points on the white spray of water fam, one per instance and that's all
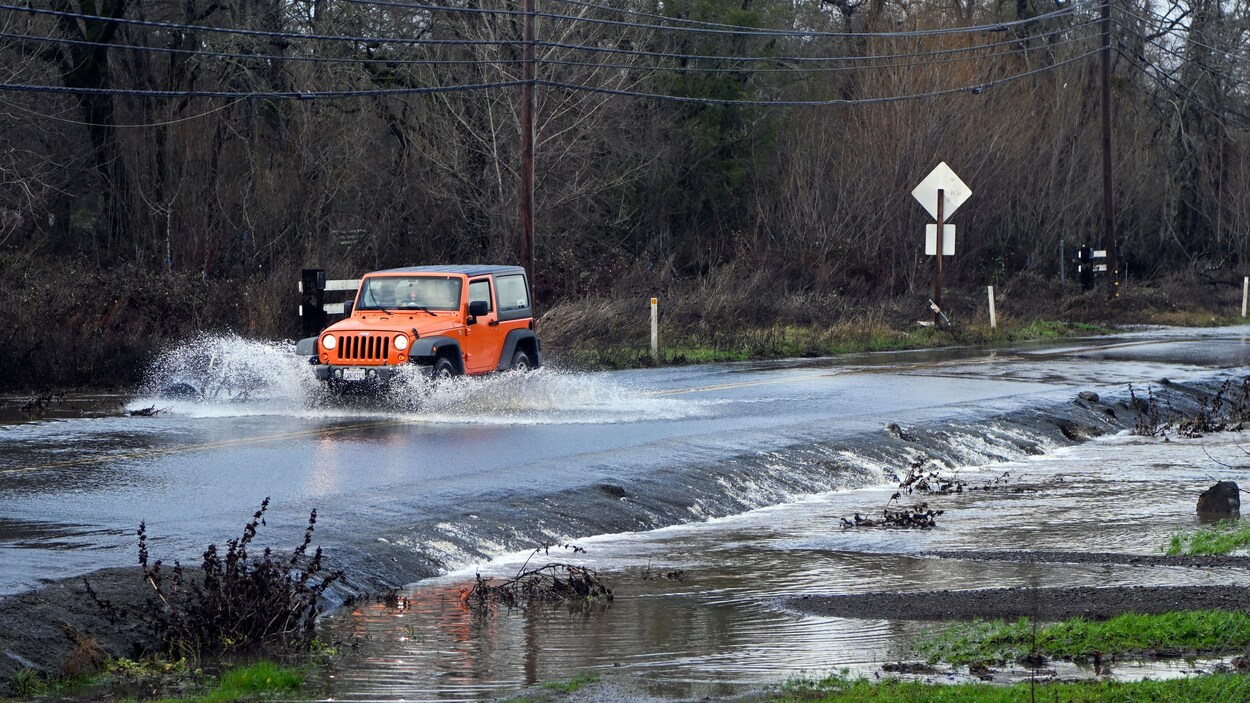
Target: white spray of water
(226, 375)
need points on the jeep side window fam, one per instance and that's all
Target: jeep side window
(480, 290)
(512, 293)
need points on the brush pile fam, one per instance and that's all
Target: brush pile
(1226, 411)
(550, 584)
(917, 517)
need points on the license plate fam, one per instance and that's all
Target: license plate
(353, 374)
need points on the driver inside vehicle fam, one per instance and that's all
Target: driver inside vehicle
(410, 299)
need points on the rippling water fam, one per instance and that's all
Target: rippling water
(716, 627)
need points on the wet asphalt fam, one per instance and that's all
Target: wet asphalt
(401, 475)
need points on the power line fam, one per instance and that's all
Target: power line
(503, 61)
(255, 95)
(1208, 69)
(724, 29)
(743, 29)
(480, 42)
(1189, 31)
(824, 69)
(260, 32)
(974, 89)
(163, 123)
(1159, 76)
(311, 95)
(262, 57)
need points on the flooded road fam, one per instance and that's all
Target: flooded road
(734, 474)
(716, 626)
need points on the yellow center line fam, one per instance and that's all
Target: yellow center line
(203, 446)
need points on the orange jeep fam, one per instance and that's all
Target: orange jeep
(451, 320)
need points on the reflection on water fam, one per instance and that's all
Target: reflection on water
(716, 626)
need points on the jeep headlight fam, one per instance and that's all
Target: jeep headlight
(401, 342)
(328, 342)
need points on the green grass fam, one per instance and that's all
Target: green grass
(579, 679)
(789, 341)
(1221, 538)
(258, 681)
(1215, 688)
(995, 641)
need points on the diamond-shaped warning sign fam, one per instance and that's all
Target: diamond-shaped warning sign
(954, 191)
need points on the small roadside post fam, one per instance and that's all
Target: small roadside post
(993, 316)
(1245, 294)
(940, 193)
(655, 328)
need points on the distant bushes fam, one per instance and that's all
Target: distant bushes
(69, 324)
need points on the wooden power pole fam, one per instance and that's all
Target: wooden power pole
(1108, 205)
(527, 144)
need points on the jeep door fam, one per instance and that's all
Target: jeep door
(482, 341)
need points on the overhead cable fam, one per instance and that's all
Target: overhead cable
(974, 89)
(733, 30)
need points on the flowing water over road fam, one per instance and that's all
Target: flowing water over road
(716, 625)
(431, 481)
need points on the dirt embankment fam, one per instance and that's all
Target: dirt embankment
(57, 629)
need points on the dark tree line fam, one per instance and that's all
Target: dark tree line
(629, 188)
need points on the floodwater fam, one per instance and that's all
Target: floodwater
(716, 626)
(734, 474)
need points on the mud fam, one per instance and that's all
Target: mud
(1010, 603)
(1051, 557)
(37, 627)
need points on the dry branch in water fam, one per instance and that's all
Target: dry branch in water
(545, 585)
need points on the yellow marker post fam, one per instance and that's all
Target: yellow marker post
(655, 328)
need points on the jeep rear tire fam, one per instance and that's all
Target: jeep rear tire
(443, 369)
(521, 362)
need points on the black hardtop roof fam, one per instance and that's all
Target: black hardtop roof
(472, 270)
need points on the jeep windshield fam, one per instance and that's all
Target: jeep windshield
(418, 293)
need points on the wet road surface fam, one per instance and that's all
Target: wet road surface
(424, 471)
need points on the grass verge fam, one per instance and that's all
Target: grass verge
(998, 641)
(172, 681)
(1212, 688)
(1221, 538)
(792, 341)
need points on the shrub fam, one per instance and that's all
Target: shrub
(236, 602)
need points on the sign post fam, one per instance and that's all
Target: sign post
(941, 193)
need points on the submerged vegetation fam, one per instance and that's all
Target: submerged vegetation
(1214, 688)
(1175, 632)
(1221, 538)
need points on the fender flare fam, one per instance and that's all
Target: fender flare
(306, 346)
(510, 343)
(425, 349)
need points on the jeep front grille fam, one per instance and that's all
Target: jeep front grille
(355, 347)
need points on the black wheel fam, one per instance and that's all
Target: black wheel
(521, 362)
(443, 369)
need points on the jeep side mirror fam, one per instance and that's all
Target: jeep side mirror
(347, 308)
(477, 307)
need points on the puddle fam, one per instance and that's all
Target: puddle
(717, 629)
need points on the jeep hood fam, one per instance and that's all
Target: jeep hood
(425, 325)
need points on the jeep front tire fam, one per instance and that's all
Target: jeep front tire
(443, 369)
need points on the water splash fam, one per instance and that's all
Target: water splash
(225, 375)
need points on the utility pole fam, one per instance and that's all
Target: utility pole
(527, 144)
(1108, 207)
